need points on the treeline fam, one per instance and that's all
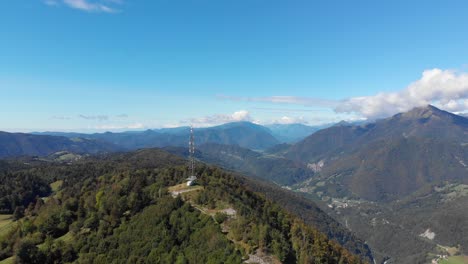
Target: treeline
(267, 226)
(116, 209)
(19, 189)
(311, 214)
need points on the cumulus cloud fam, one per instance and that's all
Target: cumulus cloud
(287, 120)
(218, 119)
(241, 115)
(446, 89)
(96, 6)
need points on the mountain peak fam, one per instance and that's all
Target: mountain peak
(342, 123)
(427, 111)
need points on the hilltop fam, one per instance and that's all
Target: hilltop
(117, 208)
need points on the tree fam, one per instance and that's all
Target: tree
(28, 253)
(19, 212)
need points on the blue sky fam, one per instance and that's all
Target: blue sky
(88, 65)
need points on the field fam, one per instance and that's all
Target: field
(6, 223)
(65, 238)
(10, 260)
(455, 260)
(55, 186)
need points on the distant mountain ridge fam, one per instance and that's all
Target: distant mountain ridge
(276, 169)
(392, 180)
(243, 134)
(425, 142)
(19, 144)
(289, 133)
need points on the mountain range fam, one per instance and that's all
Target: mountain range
(277, 169)
(376, 178)
(400, 183)
(391, 180)
(242, 134)
(390, 158)
(20, 144)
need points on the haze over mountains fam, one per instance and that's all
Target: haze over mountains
(392, 157)
(20, 144)
(390, 181)
(243, 134)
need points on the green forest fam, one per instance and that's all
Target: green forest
(119, 209)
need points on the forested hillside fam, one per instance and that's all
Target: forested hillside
(119, 209)
(252, 163)
(390, 181)
(20, 144)
(244, 134)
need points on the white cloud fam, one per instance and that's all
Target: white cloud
(136, 125)
(218, 119)
(94, 117)
(60, 117)
(286, 120)
(241, 115)
(97, 6)
(446, 89)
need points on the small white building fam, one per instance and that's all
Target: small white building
(191, 180)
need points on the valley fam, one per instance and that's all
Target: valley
(388, 182)
(394, 191)
(233, 132)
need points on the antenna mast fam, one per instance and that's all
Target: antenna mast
(192, 152)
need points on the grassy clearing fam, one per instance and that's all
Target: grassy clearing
(455, 260)
(65, 238)
(190, 195)
(184, 187)
(10, 260)
(5, 219)
(186, 192)
(55, 186)
(450, 250)
(6, 224)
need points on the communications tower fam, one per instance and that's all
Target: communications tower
(192, 178)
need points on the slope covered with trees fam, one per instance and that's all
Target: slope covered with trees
(390, 181)
(252, 163)
(117, 209)
(19, 144)
(244, 134)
